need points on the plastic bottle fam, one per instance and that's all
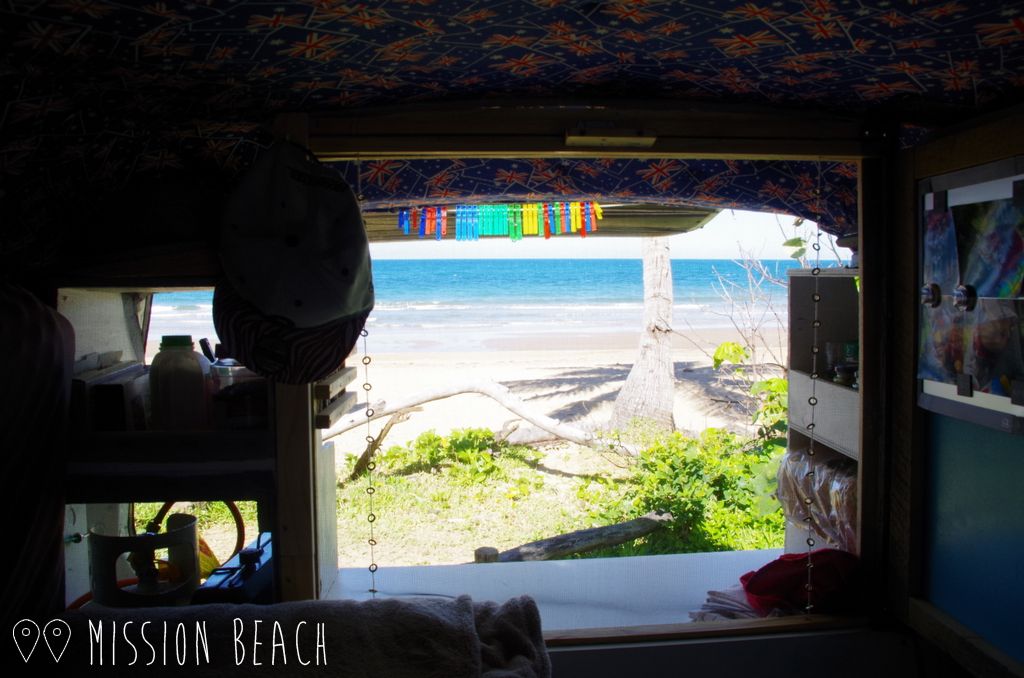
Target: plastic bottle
(179, 386)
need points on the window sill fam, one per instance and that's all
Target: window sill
(590, 600)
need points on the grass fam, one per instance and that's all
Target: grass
(439, 507)
(208, 513)
(213, 520)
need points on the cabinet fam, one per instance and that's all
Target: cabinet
(285, 467)
(836, 409)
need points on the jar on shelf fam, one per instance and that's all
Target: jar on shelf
(179, 386)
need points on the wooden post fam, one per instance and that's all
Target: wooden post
(880, 273)
(306, 535)
(307, 524)
(295, 533)
(325, 515)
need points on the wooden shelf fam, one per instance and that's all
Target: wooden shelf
(174, 446)
(191, 265)
(171, 465)
(836, 416)
(836, 409)
(837, 412)
(838, 312)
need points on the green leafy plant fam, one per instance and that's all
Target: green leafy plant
(772, 415)
(718, 487)
(730, 352)
(799, 246)
(468, 455)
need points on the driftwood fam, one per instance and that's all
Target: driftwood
(367, 455)
(492, 390)
(515, 433)
(579, 541)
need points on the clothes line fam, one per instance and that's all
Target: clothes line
(513, 221)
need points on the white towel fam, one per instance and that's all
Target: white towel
(393, 638)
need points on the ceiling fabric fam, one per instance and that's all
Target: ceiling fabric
(99, 93)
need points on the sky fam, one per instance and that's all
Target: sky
(731, 234)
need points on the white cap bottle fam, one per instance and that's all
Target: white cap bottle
(179, 386)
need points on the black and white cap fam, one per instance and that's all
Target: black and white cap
(297, 263)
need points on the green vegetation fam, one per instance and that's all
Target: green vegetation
(719, 488)
(208, 514)
(440, 497)
(467, 456)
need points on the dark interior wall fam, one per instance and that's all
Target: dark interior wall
(837, 654)
(974, 532)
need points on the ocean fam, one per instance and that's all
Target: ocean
(476, 304)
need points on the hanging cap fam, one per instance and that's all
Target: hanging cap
(276, 349)
(299, 286)
(293, 242)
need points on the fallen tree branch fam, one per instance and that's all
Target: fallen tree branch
(366, 456)
(493, 390)
(579, 541)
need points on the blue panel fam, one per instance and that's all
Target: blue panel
(975, 529)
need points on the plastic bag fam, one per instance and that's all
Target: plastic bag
(824, 487)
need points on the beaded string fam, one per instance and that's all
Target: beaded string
(813, 399)
(371, 489)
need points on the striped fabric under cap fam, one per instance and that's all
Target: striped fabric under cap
(274, 348)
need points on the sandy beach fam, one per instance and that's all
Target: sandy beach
(570, 376)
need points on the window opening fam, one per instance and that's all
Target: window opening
(416, 326)
(434, 339)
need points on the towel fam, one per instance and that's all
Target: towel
(396, 638)
(730, 603)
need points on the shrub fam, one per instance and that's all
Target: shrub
(719, 488)
(468, 455)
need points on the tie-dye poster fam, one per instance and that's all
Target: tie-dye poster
(990, 246)
(978, 246)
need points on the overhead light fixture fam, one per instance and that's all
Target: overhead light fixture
(609, 135)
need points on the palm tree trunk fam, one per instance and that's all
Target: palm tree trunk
(649, 390)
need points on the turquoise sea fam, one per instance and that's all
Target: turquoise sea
(467, 304)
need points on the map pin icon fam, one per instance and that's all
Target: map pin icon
(26, 637)
(56, 635)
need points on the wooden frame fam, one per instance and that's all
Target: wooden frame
(663, 632)
(875, 263)
(984, 141)
(306, 534)
(695, 133)
(539, 129)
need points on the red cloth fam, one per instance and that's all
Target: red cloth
(782, 583)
